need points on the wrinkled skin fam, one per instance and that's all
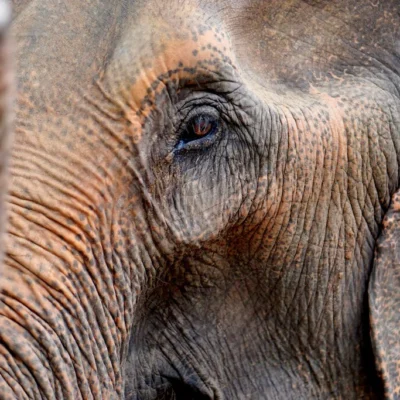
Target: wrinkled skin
(240, 265)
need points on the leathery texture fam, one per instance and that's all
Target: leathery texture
(146, 263)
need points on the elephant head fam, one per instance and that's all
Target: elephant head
(200, 201)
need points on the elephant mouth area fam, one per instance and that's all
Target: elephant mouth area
(166, 386)
(179, 389)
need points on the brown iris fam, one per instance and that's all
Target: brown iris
(198, 128)
(202, 125)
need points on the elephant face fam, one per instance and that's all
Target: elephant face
(196, 193)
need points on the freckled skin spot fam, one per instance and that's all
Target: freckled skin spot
(168, 64)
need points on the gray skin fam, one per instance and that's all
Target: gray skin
(198, 190)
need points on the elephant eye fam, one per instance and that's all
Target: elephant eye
(199, 131)
(202, 125)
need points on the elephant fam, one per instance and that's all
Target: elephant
(203, 201)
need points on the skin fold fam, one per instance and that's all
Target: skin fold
(200, 201)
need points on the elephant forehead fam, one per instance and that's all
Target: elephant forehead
(180, 50)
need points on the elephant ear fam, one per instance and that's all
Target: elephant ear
(384, 301)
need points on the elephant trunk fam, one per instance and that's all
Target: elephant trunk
(68, 290)
(72, 276)
(62, 334)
